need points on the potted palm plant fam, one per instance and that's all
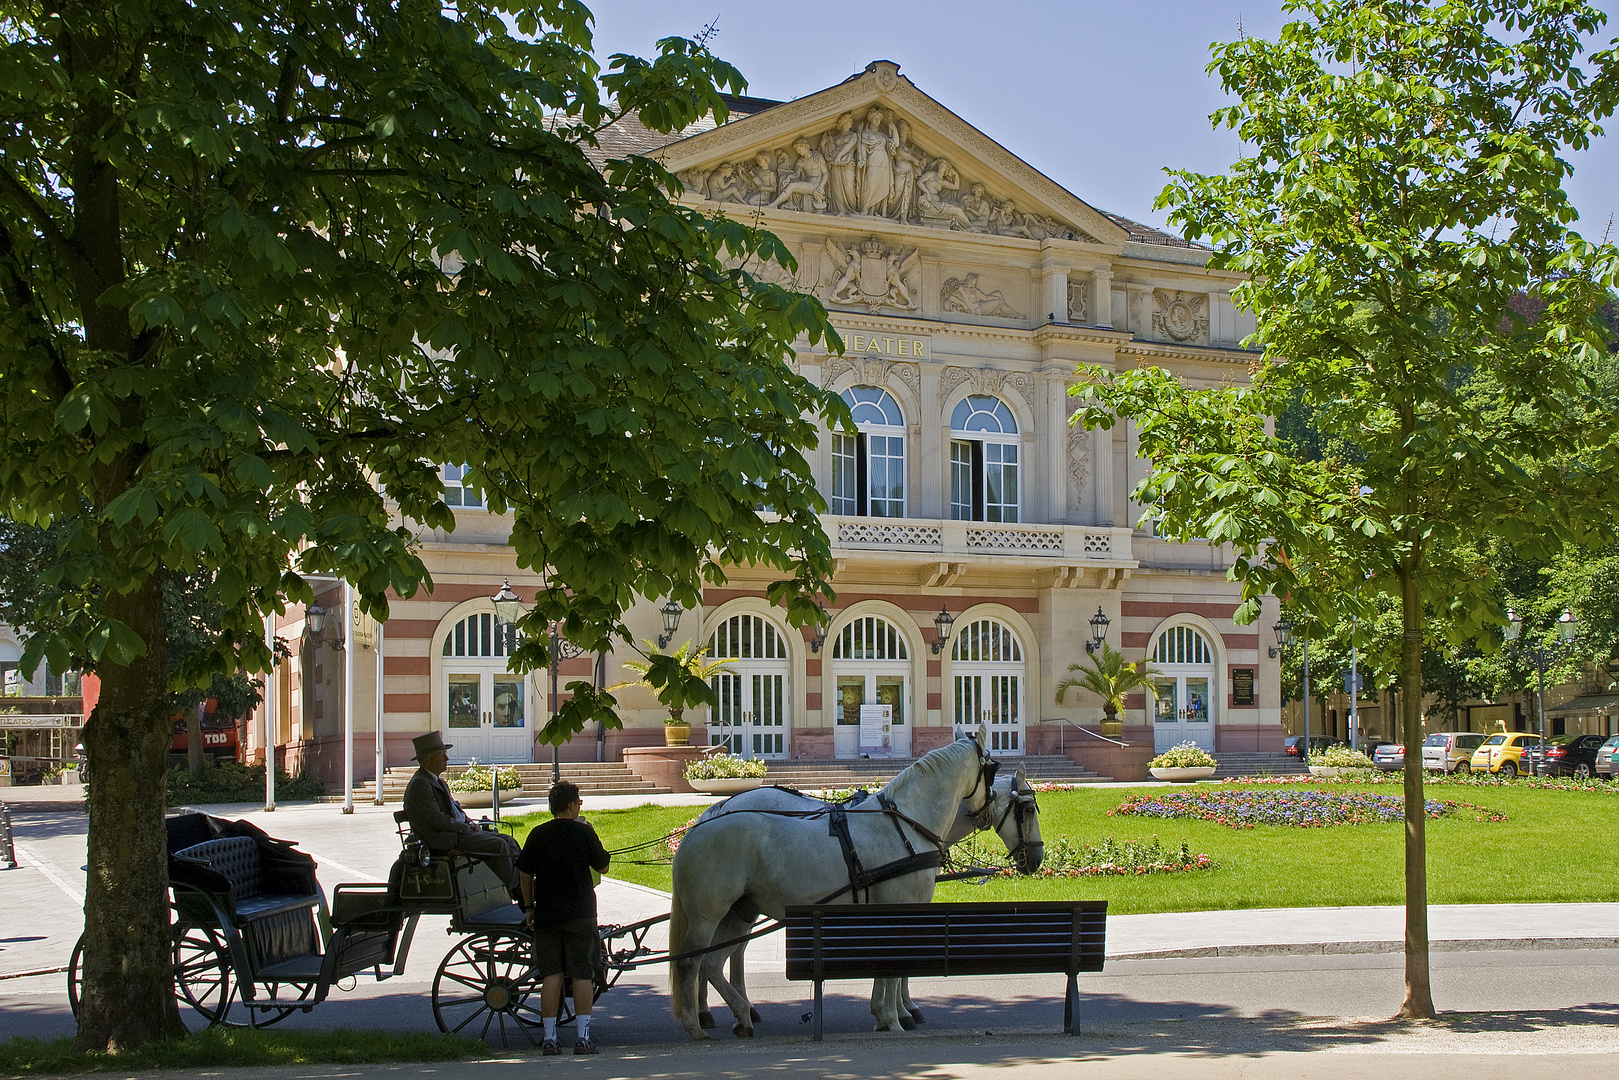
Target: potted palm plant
(679, 680)
(1107, 675)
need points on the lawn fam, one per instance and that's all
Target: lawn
(1546, 851)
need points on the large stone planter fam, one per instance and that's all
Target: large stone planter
(726, 785)
(1182, 776)
(1330, 770)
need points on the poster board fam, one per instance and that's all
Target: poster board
(875, 735)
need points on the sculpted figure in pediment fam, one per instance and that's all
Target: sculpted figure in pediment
(723, 184)
(980, 210)
(968, 298)
(908, 161)
(806, 183)
(838, 147)
(934, 202)
(761, 179)
(873, 275)
(874, 162)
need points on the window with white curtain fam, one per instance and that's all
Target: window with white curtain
(983, 461)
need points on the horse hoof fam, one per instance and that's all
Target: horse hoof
(699, 1035)
(753, 1014)
(742, 1032)
(916, 1014)
(906, 1022)
(705, 1019)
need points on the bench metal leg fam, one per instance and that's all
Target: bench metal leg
(815, 1025)
(1070, 1007)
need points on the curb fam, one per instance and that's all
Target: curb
(1352, 948)
(30, 974)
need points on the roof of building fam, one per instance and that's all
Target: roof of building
(629, 136)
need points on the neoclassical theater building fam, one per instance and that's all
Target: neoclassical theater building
(966, 287)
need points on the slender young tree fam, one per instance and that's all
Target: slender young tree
(262, 262)
(1401, 184)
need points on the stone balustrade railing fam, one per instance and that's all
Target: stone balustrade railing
(1070, 543)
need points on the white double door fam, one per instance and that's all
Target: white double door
(1183, 708)
(751, 717)
(873, 685)
(488, 715)
(994, 700)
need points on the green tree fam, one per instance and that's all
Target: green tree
(1401, 185)
(261, 263)
(1109, 677)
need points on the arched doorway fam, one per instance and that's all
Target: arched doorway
(486, 707)
(986, 662)
(752, 718)
(1183, 691)
(872, 665)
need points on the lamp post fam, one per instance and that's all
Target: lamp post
(943, 622)
(1544, 655)
(671, 613)
(1284, 639)
(1099, 625)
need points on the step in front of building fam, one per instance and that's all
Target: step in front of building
(593, 778)
(1256, 764)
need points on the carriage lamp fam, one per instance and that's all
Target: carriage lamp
(316, 621)
(943, 622)
(508, 605)
(819, 638)
(1284, 635)
(1099, 625)
(671, 622)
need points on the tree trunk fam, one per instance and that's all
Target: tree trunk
(128, 990)
(1418, 988)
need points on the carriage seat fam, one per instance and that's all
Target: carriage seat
(237, 860)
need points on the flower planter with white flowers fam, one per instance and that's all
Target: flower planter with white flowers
(1183, 763)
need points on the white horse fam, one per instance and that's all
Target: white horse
(1008, 813)
(736, 866)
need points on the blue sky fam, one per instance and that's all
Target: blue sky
(1101, 97)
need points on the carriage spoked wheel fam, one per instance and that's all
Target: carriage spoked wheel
(485, 984)
(202, 973)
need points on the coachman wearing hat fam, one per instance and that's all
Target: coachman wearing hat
(438, 820)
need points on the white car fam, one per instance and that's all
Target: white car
(1450, 751)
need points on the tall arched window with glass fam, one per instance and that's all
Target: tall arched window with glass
(986, 660)
(983, 461)
(485, 704)
(750, 717)
(1183, 689)
(868, 467)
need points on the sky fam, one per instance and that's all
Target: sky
(1101, 97)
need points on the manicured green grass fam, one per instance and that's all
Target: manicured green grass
(215, 1047)
(1550, 849)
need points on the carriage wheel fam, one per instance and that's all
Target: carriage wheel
(202, 971)
(75, 976)
(487, 982)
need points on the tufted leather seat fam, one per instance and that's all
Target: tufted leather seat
(236, 859)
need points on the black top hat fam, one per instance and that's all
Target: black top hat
(431, 743)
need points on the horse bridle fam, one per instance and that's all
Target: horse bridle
(1019, 802)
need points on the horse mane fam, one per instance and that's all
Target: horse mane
(945, 759)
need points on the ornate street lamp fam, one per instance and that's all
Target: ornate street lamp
(1099, 625)
(819, 637)
(943, 622)
(671, 612)
(1284, 640)
(508, 605)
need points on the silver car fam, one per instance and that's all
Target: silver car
(1449, 751)
(1605, 755)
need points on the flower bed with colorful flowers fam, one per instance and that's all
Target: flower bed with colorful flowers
(1377, 778)
(1065, 857)
(1299, 809)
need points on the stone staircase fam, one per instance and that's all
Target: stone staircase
(851, 773)
(1258, 765)
(593, 778)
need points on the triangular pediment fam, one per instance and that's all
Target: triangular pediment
(875, 148)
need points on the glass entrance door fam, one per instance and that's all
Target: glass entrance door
(890, 688)
(486, 716)
(751, 718)
(995, 701)
(1182, 711)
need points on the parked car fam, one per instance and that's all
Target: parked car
(1390, 757)
(1570, 755)
(1503, 753)
(1450, 751)
(1293, 744)
(1606, 766)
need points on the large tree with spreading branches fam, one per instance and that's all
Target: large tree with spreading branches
(262, 265)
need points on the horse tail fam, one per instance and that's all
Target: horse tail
(677, 944)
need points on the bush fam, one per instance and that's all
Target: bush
(1339, 756)
(725, 767)
(231, 781)
(476, 778)
(1186, 755)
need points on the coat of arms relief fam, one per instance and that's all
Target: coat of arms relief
(1180, 316)
(868, 165)
(873, 274)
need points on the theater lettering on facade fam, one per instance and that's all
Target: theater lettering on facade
(966, 287)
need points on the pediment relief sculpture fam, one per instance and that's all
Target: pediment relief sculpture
(968, 297)
(1180, 316)
(867, 165)
(873, 274)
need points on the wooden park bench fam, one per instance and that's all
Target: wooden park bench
(878, 941)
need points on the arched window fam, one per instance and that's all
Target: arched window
(986, 662)
(870, 638)
(481, 634)
(1182, 645)
(486, 705)
(983, 461)
(868, 468)
(752, 717)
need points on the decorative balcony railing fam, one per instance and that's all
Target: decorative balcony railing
(1087, 543)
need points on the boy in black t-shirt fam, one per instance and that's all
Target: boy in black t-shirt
(561, 853)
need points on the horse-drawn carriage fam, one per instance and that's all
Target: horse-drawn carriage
(252, 927)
